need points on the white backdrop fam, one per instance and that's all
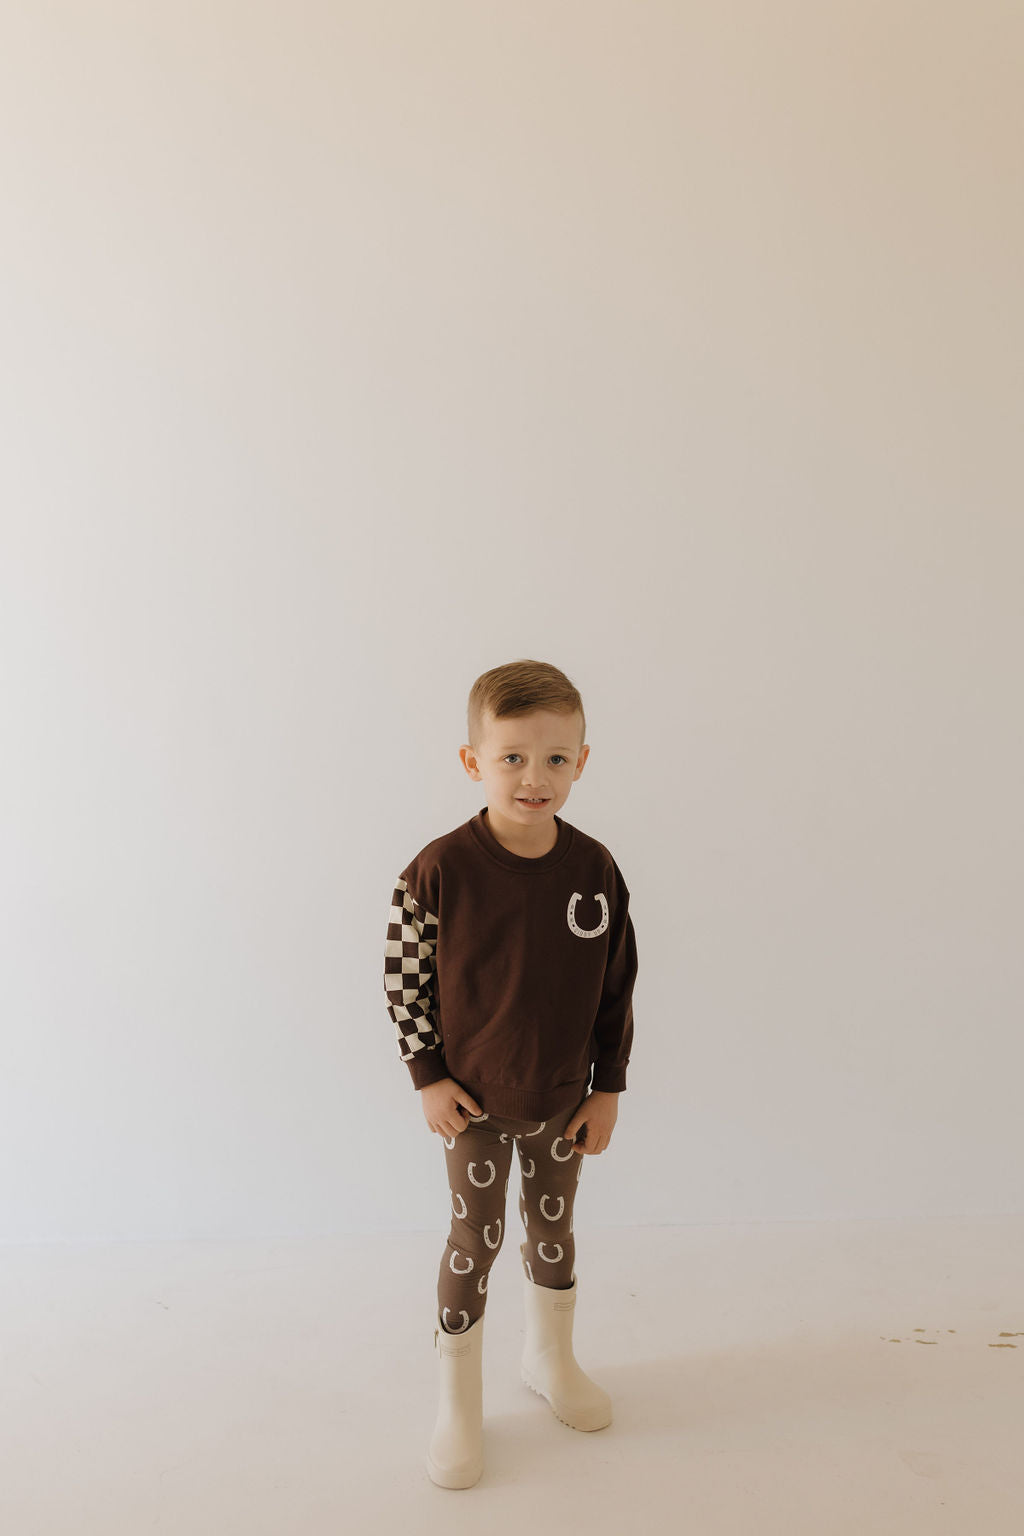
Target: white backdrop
(350, 350)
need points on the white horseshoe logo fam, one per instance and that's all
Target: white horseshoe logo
(561, 1207)
(526, 1217)
(537, 1131)
(579, 1170)
(465, 1325)
(545, 1257)
(486, 1116)
(482, 1183)
(461, 1213)
(503, 1136)
(529, 1271)
(487, 1239)
(533, 1169)
(448, 1144)
(455, 1268)
(587, 933)
(481, 1284)
(555, 1155)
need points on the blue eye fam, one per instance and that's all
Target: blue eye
(560, 756)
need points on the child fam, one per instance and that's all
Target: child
(509, 972)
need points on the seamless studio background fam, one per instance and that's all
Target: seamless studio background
(351, 350)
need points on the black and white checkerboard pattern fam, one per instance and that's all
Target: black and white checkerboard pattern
(409, 967)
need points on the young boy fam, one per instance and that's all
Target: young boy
(509, 972)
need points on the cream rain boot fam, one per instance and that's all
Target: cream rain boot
(455, 1458)
(548, 1364)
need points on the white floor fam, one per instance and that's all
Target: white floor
(825, 1378)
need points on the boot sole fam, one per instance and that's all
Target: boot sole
(584, 1423)
(453, 1477)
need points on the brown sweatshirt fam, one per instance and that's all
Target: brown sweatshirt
(512, 975)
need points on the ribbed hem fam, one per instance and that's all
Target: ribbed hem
(519, 1104)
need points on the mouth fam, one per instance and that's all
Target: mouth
(533, 805)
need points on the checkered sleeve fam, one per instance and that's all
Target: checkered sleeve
(409, 985)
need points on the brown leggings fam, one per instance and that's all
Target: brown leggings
(479, 1159)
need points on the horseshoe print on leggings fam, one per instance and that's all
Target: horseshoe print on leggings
(545, 1208)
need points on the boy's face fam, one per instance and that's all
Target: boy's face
(525, 757)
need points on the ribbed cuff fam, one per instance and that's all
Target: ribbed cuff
(608, 1079)
(427, 1067)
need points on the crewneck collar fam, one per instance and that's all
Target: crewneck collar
(478, 826)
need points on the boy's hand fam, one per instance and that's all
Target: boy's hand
(598, 1113)
(441, 1106)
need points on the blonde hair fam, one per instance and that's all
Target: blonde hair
(518, 688)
